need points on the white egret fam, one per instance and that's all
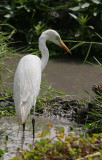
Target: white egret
(27, 78)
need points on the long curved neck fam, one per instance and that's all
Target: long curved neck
(44, 52)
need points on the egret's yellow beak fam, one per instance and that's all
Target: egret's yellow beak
(64, 46)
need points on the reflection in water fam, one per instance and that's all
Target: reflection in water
(17, 141)
(22, 139)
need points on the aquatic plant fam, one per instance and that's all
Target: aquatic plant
(66, 147)
(1, 153)
(5, 55)
(94, 116)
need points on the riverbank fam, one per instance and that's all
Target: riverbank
(76, 110)
(81, 111)
(68, 144)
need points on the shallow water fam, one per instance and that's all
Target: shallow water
(68, 75)
(9, 127)
(72, 76)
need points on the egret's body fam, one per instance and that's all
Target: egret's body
(26, 85)
(28, 76)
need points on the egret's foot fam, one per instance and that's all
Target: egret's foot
(33, 124)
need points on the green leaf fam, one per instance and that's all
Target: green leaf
(98, 35)
(85, 5)
(97, 61)
(88, 53)
(1, 153)
(61, 7)
(96, 1)
(87, 92)
(20, 1)
(7, 16)
(75, 8)
(11, 34)
(78, 45)
(73, 15)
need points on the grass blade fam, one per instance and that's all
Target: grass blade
(88, 53)
(98, 35)
(77, 45)
(97, 61)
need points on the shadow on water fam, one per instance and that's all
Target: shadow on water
(13, 141)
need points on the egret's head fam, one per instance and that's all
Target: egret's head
(54, 37)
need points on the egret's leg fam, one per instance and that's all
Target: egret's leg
(22, 140)
(33, 120)
(23, 127)
(23, 136)
(33, 124)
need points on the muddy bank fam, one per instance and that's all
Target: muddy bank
(58, 112)
(72, 109)
(63, 107)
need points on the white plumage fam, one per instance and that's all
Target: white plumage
(27, 78)
(26, 85)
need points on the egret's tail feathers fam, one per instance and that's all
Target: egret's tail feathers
(23, 110)
(23, 113)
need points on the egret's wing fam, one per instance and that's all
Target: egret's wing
(26, 85)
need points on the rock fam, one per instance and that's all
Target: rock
(97, 89)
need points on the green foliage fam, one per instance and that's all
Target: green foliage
(5, 55)
(49, 91)
(6, 105)
(66, 148)
(24, 16)
(85, 13)
(1, 153)
(30, 17)
(94, 117)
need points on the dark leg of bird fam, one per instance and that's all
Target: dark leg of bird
(23, 127)
(33, 123)
(23, 136)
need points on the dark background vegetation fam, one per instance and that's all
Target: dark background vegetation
(75, 20)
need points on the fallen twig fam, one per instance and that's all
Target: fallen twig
(90, 155)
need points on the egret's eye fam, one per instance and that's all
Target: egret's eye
(58, 38)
